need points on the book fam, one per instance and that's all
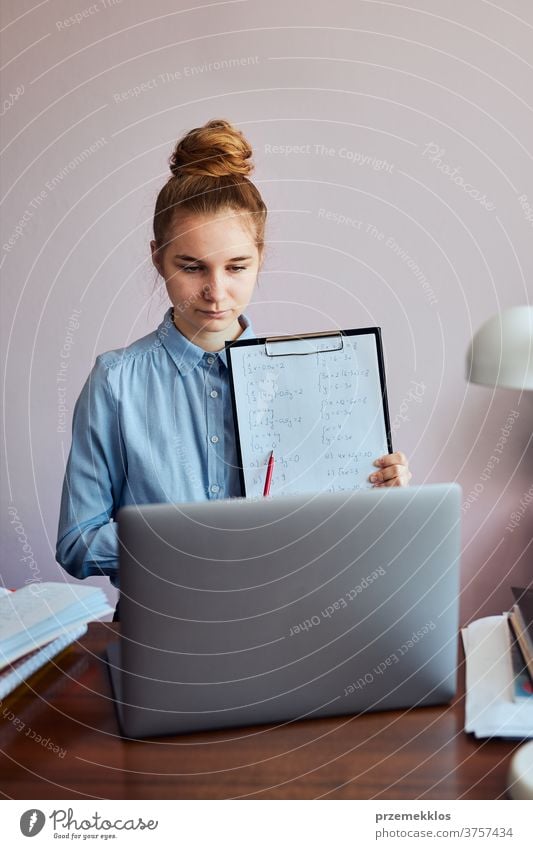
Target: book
(35, 615)
(523, 684)
(12, 675)
(521, 618)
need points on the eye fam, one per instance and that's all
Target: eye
(190, 268)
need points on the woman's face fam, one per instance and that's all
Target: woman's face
(210, 267)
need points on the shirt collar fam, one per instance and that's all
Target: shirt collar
(185, 354)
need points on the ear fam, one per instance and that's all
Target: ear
(155, 256)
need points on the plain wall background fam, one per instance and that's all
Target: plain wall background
(368, 86)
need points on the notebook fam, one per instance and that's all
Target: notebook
(41, 612)
(15, 673)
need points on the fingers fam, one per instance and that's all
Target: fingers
(391, 476)
(398, 458)
(394, 470)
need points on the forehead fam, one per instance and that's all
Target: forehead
(203, 235)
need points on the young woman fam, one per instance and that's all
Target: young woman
(153, 422)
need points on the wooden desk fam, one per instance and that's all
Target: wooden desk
(412, 754)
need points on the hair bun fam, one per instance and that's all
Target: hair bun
(217, 149)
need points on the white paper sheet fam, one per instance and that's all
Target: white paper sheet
(490, 710)
(317, 404)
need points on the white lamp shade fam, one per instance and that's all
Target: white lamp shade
(501, 352)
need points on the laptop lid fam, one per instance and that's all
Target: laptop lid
(246, 611)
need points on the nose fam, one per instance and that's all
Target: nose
(215, 289)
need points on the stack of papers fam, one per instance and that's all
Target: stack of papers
(490, 707)
(40, 620)
(15, 673)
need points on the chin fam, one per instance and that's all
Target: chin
(223, 320)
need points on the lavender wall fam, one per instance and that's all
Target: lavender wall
(393, 148)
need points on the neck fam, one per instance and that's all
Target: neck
(211, 342)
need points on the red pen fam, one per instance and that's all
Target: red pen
(270, 469)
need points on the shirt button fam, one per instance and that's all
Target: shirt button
(214, 393)
(214, 439)
(215, 487)
(210, 360)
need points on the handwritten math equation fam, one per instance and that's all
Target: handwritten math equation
(319, 412)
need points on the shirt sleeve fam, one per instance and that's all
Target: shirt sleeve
(87, 542)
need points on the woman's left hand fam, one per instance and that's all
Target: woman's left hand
(394, 470)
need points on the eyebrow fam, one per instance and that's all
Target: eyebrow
(193, 258)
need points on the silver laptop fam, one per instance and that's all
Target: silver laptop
(249, 611)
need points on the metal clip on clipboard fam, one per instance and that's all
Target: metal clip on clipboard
(287, 349)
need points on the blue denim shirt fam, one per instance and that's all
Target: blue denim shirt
(153, 423)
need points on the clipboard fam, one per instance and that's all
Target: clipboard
(318, 401)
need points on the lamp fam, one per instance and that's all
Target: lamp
(501, 352)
